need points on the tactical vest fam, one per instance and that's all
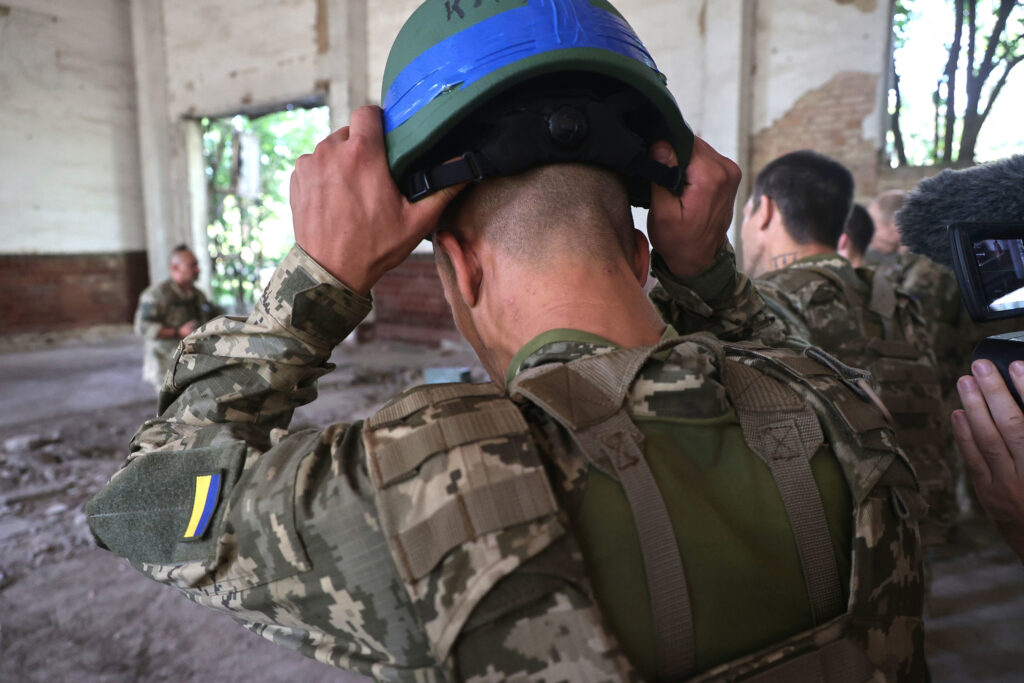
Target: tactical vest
(907, 378)
(453, 551)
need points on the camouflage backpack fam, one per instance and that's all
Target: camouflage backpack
(469, 557)
(907, 378)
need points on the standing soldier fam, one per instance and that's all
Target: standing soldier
(934, 287)
(857, 234)
(170, 311)
(792, 225)
(619, 503)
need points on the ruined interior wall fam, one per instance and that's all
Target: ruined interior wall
(71, 220)
(230, 55)
(818, 72)
(69, 168)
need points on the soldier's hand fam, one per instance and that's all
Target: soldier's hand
(187, 328)
(347, 211)
(690, 229)
(989, 432)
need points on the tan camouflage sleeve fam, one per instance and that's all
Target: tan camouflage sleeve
(293, 548)
(257, 371)
(721, 300)
(148, 318)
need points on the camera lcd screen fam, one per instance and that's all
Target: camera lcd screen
(1001, 266)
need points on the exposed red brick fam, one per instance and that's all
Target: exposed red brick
(46, 293)
(829, 120)
(409, 304)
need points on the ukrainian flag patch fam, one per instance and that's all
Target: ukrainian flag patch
(203, 504)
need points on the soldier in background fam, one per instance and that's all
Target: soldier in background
(857, 234)
(170, 311)
(619, 503)
(932, 285)
(884, 249)
(793, 224)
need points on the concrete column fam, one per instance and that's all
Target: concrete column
(344, 57)
(728, 88)
(199, 201)
(162, 142)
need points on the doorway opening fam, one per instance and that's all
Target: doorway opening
(248, 162)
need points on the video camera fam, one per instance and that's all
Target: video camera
(988, 259)
(972, 220)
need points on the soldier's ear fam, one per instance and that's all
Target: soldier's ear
(766, 211)
(641, 257)
(465, 265)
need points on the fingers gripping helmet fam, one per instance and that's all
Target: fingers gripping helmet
(502, 86)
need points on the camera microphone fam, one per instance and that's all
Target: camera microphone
(972, 221)
(990, 193)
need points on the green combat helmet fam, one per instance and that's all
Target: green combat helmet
(485, 89)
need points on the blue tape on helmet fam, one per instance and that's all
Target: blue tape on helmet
(473, 53)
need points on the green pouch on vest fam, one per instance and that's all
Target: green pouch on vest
(164, 506)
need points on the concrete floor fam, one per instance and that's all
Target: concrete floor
(71, 612)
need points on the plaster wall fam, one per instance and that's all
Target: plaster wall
(69, 172)
(231, 55)
(803, 44)
(818, 82)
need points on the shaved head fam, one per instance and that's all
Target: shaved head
(552, 211)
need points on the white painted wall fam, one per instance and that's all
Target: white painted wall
(232, 54)
(803, 44)
(69, 166)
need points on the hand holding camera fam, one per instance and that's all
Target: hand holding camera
(990, 434)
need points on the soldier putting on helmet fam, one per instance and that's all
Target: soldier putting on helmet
(620, 502)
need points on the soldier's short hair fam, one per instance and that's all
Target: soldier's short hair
(535, 214)
(178, 248)
(888, 203)
(860, 228)
(814, 193)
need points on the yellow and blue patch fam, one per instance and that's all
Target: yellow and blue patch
(203, 505)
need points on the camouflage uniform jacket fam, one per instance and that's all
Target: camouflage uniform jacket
(936, 289)
(378, 546)
(166, 305)
(838, 318)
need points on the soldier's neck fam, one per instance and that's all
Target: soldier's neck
(789, 253)
(603, 299)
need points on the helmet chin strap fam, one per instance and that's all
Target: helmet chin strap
(549, 131)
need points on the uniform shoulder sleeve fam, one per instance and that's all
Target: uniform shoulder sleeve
(149, 313)
(463, 497)
(721, 300)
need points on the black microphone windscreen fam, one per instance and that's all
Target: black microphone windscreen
(991, 193)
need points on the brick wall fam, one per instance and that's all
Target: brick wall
(905, 177)
(46, 293)
(409, 304)
(830, 120)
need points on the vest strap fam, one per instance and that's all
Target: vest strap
(587, 397)
(784, 432)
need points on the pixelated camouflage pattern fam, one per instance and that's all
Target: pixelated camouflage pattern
(166, 305)
(838, 320)
(302, 554)
(936, 290)
(721, 300)
(886, 584)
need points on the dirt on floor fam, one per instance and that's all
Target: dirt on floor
(71, 612)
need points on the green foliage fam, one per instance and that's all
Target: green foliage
(937, 110)
(249, 235)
